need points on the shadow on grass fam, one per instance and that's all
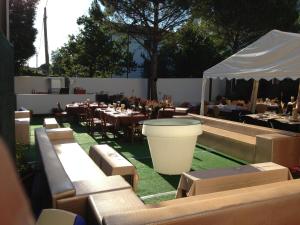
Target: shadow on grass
(37, 120)
(135, 150)
(173, 180)
(77, 128)
(217, 153)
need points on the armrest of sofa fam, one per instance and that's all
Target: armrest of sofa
(59, 134)
(279, 148)
(59, 182)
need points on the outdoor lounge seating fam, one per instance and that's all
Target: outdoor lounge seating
(22, 122)
(256, 205)
(275, 204)
(222, 179)
(71, 173)
(250, 143)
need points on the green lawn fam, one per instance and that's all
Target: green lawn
(153, 187)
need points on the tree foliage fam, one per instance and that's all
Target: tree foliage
(95, 51)
(22, 33)
(240, 22)
(188, 52)
(151, 20)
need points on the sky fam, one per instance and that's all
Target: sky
(62, 16)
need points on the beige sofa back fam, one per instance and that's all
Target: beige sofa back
(59, 183)
(72, 175)
(232, 126)
(272, 204)
(250, 143)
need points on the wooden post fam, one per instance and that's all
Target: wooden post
(254, 95)
(204, 80)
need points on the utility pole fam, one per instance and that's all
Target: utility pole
(46, 42)
(36, 63)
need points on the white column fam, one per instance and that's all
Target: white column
(298, 99)
(254, 95)
(204, 80)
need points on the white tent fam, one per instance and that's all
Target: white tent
(274, 55)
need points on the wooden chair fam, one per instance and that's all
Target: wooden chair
(81, 114)
(108, 125)
(93, 123)
(215, 111)
(167, 112)
(59, 113)
(134, 128)
(261, 108)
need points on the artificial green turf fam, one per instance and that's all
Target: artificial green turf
(150, 182)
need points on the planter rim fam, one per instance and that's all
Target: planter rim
(171, 122)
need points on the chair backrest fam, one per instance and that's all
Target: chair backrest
(59, 107)
(252, 121)
(216, 111)
(167, 112)
(261, 108)
(283, 126)
(14, 206)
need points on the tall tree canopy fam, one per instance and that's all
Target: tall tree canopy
(188, 52)
(153, 20)
(22, 33)
(95, 51)
(240, 22)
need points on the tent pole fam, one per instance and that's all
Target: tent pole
(298, 97)
(254, 95)
(204, 80)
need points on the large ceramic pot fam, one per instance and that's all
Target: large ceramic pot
(172, 143)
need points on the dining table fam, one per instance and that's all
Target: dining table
(227, 108)
(277, 121)
(121, 118)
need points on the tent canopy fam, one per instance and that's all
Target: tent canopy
(274, 55)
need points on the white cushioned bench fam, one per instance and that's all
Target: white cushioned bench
(22, 123)
(112, 163)
(50, 123)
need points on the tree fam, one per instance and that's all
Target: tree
(94, 51)
(152, 20)
(22, 32)
(240, 22)
(188, 52)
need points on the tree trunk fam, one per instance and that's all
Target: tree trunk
(152, 86)
(153, 77)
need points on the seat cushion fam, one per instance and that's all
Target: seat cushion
(77, 164)
(59, 182)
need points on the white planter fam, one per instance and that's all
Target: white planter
(172, 143)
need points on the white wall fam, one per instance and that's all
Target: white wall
(26, 84)
(131, 86)
(181, 90)
(44, 103)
